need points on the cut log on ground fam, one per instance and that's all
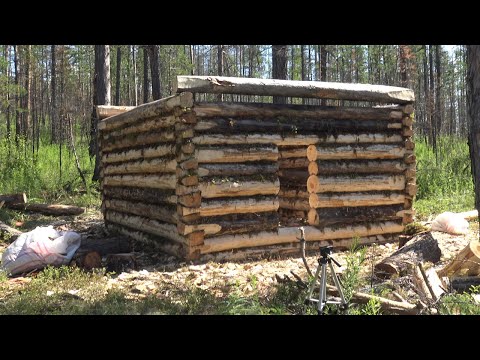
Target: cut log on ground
(423, 247)
(7, 232)
(312, 89)
(48, 209)
(20, 198)
(464, 283)
(87, 260)
(466, 263)
(253, 110)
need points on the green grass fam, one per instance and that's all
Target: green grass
(39, 175)
(444, 184)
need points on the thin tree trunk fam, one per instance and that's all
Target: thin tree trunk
(17, 96)
(119, 66)
(279, 68)
(473, 104)
(53, 85)
(145, 76)
(431, 101)
(220, 66)
(135, 82)
(438, 94)
(155, 71)
(323, 67)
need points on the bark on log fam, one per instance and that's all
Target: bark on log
(8, 232)
(290, 235)
(320, 184)
(292, 152)
(141, 139)
(293, 163)
(348, 215)
(143, 126)
(20, 198)
(48, 209)
(241, 188)
(378, 151)
(146, 181)
(356, 167)
(464, 283)
(311, 89)
(299, 192)
(297, 176)
(233, 169)
(422, 247)
(294, 204)
(146, 195)
(233, 206)
(162, 213)
(155, 227)
(296, 111)
(104, 111)
(355, 199)
(87, 260)
(142, 167)
(279, 140)
(139, 154)
(466, 263)
(148, 110)
(233, 155)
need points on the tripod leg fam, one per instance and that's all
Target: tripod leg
(323, 289)
(337, 284)
(312, 283)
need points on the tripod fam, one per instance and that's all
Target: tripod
(325, 259)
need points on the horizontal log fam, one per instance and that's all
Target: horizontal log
(148, 110)
(237, 169)
(293, 163)
(286, 152)
(104, 111)
(310, 89)
(294, 204)
(232, 155)
(146, 195)
(145, 181)
(298, 192)
(348, 215)
(317, 184)
(162, 213)
(292, 111)
(47, 209)
(142, 167)
(152, 241)
(279, 140)
(234, 206)
(151, 226)
(223, 225)
(464, 283)
(143, 126)
(141, 139)
(354, 199)
(240, 188)
(136, 154)
(371, 138)
(8, 233)
(20, 198)
(291, 235)
(356, 167)
(377, 151)
(295, 176)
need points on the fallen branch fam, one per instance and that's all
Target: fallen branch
(47, 209)
(7, 230)
(20, 198)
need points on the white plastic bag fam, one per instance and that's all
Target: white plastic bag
(38, 248)
(450, 223)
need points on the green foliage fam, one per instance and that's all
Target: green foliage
(351, 279)
(444, 183)
(460, 304)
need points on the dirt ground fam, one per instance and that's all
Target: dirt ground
(155, 270)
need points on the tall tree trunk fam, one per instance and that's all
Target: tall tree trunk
(403, 65)
(279, 68)
(145, 75)
(323, 66)
(102, 96)
(438, 89)
(29, 95)
(155, 71)
(431, 102)
(53, 85)
(220, 66)
(119, 66)
(17, 96)
(473, 103)
(135, 82)
(7, 62)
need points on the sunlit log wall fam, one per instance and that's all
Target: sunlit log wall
(236, 179)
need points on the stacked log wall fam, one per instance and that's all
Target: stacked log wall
(141, 153)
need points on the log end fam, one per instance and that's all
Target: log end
(313, 184)
(312, 153)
